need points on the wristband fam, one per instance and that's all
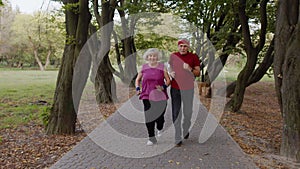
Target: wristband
(137, 88)
(165, 86)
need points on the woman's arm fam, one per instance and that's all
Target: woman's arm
(137, 83)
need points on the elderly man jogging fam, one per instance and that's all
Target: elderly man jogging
(184, 67)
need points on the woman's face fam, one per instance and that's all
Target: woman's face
(152, 58)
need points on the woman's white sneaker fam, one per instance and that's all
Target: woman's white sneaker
(159, 133)
(149, 143)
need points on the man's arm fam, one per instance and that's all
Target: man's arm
(196, 71)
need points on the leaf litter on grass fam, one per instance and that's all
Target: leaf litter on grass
(258, 132)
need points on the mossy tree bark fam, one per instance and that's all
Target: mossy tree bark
(287, 75)
(62, 119)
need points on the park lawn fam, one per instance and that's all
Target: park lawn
(21, 93)
(20, 90)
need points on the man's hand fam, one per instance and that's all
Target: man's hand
(187, 67)
(172, 74)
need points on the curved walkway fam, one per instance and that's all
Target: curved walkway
(120, 142)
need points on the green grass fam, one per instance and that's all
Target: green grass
(19, 90)
(231, 73)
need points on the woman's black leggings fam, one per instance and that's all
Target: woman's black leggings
(154, 113)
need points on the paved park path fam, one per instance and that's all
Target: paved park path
(119, 142)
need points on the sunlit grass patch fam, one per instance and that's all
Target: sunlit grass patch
(21, 93)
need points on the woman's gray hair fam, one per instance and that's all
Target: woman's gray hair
(153, 51)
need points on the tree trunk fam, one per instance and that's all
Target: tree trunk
(37, 59)
(216, 67)
(104, 80)
(252, 53)
(35, 52)
(48, 59)
(119, 74)
(63, 116)
(128, 26)
(258, 74)
(236, 102)
(130, 69)
(290, 92)
(287, 75)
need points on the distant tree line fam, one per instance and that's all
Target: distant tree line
(30, 40)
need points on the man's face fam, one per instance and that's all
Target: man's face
(183, 49)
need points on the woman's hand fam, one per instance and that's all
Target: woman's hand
(138, 90)
(160, 88)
